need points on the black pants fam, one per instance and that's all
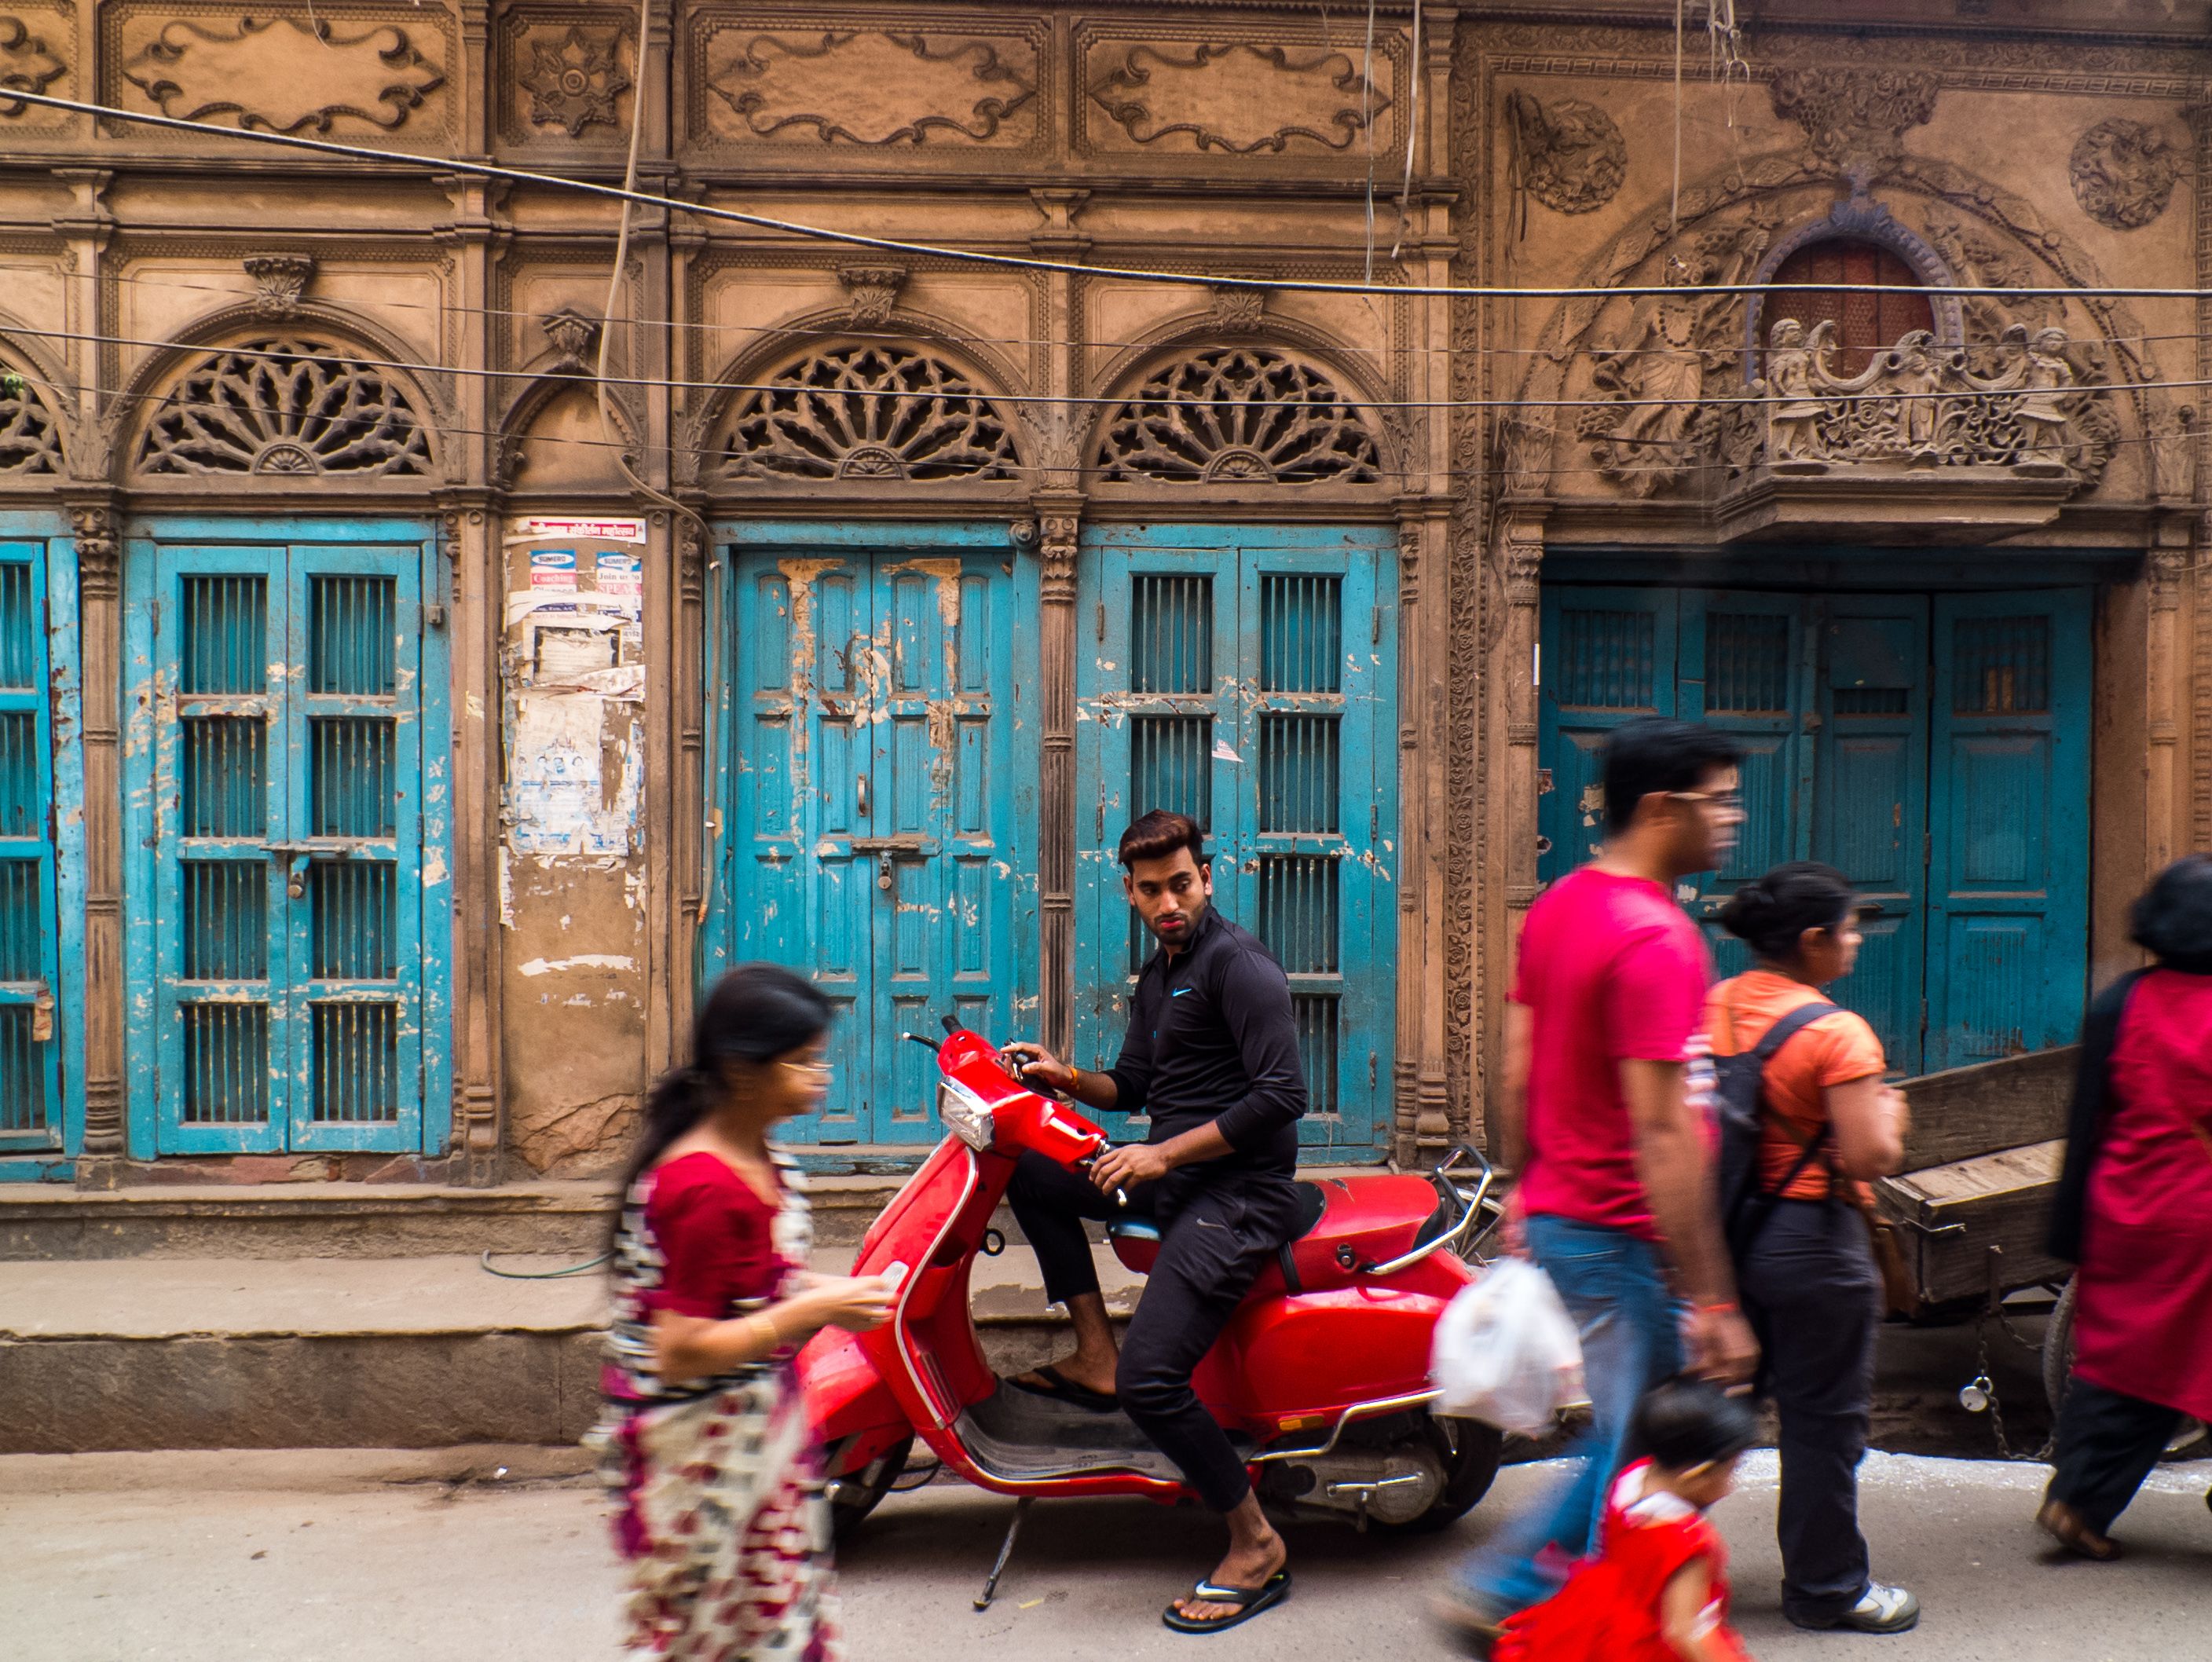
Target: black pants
(2107, 1445)
(1813, 1297)
(1215, 1237)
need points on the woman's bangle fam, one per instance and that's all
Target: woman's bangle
(1074, 1081)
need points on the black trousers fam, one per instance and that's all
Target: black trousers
(1215, 1237)
(1813, 1296)
(2107, 1445)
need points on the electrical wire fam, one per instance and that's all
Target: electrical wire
(490, 1268)
(1038, 262)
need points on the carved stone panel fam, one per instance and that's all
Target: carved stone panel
(830, 90)
(2123, 172)
(1855, 119)
(1567, 155)
(338, 70)
(1240, 92)
(33, 46)
(566, 74)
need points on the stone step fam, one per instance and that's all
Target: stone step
(414, 1352)
(294, 1221)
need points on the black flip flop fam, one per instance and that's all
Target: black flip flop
(1250, 1602)
(1060, 1388)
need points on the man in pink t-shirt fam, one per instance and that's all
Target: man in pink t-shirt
(1605, 1118)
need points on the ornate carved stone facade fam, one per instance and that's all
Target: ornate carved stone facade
(196, 326)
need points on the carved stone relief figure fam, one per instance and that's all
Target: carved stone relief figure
(26, 64)
(575, 79)
(1236, 97)
(875, 86)
(285, 74)
(2123, 173)
(1920, 405)
(1855, 119)
(1570, 157)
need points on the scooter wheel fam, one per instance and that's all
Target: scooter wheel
(858, 1494)
(1471, 1452)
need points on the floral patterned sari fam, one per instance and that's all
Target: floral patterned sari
(723, 1524)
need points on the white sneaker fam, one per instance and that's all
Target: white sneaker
(1883, 1610)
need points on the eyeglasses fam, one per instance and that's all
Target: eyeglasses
(824, 1068)
(1728, 802)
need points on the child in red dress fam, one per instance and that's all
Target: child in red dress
(1658, 1589)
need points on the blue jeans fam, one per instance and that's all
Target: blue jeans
(1615, 1287)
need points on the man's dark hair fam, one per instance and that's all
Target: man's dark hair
(1157, 835)
(1774, 911)
(1653, 752)
(1686, 1423)
(2173, 921)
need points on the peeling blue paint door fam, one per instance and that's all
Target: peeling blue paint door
(1247, 677)
(873, 837)
(278, 768)
(30, 1118)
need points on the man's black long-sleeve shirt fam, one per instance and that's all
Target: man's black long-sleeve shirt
(1211, 1038)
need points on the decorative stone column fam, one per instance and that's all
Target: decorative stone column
(1520, 556)
(1055, 535)
(2165, 572)
(468, 530)
(1422, 1091)
(99, 568)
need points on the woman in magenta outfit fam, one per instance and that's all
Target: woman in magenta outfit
(723, 1525)
(2135, 1211)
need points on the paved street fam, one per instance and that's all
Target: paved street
(221, 1557)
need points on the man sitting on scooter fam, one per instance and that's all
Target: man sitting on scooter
(1211, 1055)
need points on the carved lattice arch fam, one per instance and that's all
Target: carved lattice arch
(291, 404)
(30, 438)
(868, 411)
(1238, 415)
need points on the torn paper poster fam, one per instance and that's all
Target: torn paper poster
(563, 654)
(552, 568)
(622, 574)
(561, 797)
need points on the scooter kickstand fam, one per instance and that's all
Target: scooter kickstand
(1006, 1551)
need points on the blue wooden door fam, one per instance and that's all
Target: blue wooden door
(1248, 677)
(1870, 810)
(1607, 656)
(280, 781)
(2008, 877)
(1935, 750)
(872, 839)
(30, 1115)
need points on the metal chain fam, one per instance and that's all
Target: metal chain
(2005, 1450)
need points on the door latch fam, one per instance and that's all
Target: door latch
(863, 796)
(42, 1016)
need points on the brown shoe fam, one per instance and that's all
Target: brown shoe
(2067, 1526)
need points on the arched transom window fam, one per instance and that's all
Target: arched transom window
(285, 404)
(28, 442)
(868, 412)
(1234, 415)
(1866, 318)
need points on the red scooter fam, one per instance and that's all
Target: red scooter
(1321, 1373)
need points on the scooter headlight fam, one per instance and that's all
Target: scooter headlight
(968, 1114)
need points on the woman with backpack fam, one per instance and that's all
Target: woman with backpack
(2134, 1210)
(1805, 1264)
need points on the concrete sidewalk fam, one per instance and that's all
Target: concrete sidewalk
(339, 1556)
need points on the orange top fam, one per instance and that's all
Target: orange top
(1832, 1051)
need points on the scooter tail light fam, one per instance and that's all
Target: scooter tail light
(966, 1115)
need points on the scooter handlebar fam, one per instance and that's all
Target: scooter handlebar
(1023, 1121)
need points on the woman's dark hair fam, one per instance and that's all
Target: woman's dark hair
(2172, 920)
(1657, 753)
(1772, 912)
(1157, 835)
(1687, 1422)
(755, 1013)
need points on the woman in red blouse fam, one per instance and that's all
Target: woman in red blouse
(723, 1524)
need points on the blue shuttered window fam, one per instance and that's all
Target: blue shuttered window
(30, 1111)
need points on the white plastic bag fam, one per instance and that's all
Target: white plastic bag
(1507, 1352)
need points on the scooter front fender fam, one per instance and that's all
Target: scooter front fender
(845, 1398)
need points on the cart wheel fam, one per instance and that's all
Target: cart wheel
(2193, 1441)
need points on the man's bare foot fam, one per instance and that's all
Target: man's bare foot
(1255, 1557)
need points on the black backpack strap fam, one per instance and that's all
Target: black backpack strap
(1787, 1029)
(1752, 1219)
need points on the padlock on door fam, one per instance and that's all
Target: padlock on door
(1974, 1395)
